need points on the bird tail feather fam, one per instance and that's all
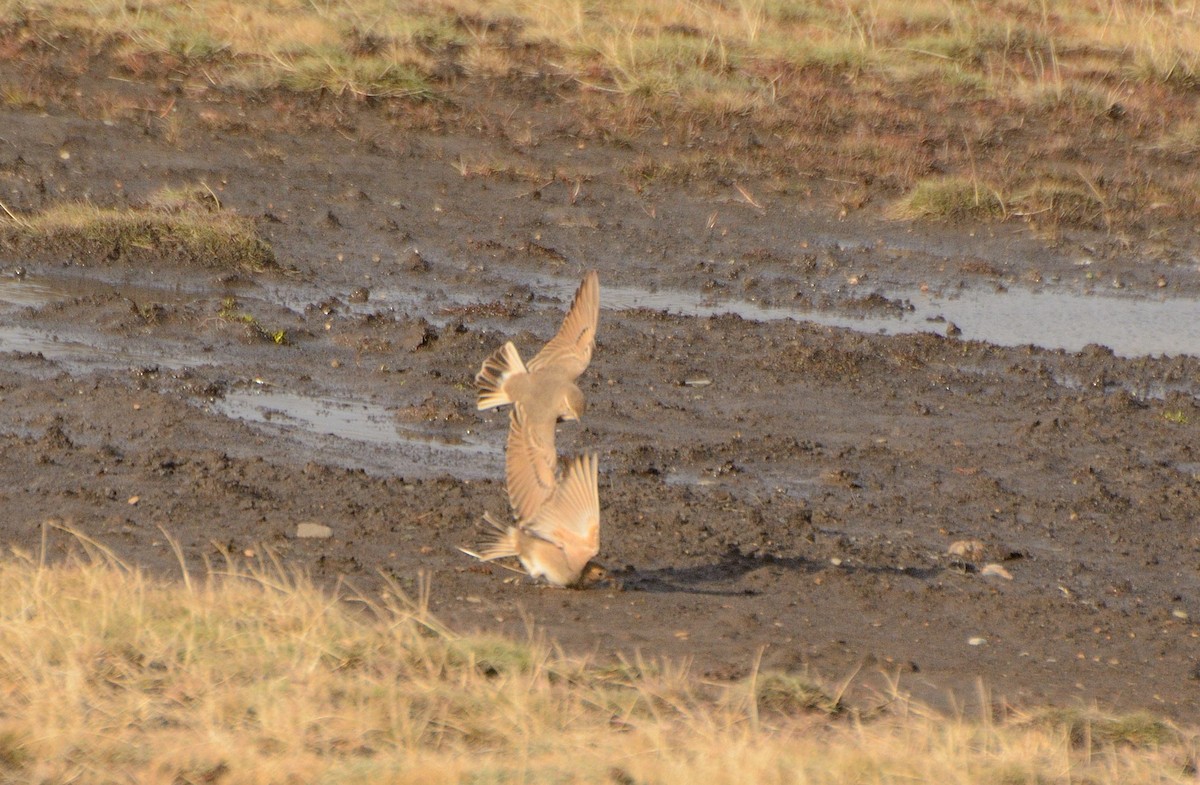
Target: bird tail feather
(503, 542)
(497, 369)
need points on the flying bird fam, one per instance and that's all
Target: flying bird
(558, 542)
(549, 378)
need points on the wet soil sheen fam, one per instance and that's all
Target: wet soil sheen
(876, 450)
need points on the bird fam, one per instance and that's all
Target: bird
(531, 467)
(541, 392)
(559, 541)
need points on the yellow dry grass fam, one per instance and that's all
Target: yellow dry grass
(684, 49)
(255, 676)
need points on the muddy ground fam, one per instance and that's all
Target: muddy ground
(771, 488)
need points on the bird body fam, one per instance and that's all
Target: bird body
(549, 378)
(559, 541)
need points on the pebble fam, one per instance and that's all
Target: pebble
(997, 570)
(313, 530)
(976, 641)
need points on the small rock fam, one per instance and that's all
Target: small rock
(697, 382)
(417, 263)
(976, 641)
(997, 570)
(313, 531)
(360, 295)
(1179, 613)
(134, 499)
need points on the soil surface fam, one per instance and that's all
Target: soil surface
(773, 489)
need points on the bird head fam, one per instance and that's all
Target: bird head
(594, 573)
(574, 404)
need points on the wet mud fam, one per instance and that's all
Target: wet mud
(882, 452)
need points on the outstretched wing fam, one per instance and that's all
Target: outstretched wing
(530, 463)
(571, 516)
(570, 350)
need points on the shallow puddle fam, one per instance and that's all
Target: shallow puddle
(1055, 318)
(1052, 319)
(364, 435)
(18, 292)
(35, 290)
(88, 352)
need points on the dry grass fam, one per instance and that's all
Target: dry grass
(254, 676)
(181, 226)
(687, 49)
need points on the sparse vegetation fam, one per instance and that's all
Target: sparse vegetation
(184, 227)
(250, 675)
(891, 95)
(231, 312)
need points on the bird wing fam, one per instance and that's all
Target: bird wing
(571, 516)
(570, 350)
(530, 463)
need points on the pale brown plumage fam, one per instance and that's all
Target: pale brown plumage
(558, 542)
(530, 463)
(548, 377)
(541, 393)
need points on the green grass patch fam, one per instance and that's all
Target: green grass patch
(173, 229)
(951, 198)
(648, 48)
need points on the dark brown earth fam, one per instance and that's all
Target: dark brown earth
(770, 488)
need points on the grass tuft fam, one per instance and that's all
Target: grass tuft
(176, 227)
(951, 198)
